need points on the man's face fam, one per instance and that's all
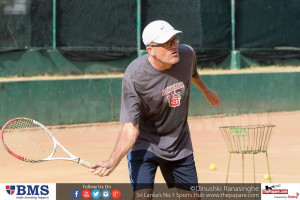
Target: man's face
(166, 53)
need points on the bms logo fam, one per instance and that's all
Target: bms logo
(27, 189)
(10, 189)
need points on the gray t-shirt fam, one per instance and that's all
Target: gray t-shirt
(158, 101)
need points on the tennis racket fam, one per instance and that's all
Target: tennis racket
(30, 141)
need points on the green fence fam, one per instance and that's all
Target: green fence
(224, 33)
(92, 100)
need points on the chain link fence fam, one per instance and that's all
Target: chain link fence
(112, 29)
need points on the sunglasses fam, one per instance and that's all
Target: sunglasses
(166, 44)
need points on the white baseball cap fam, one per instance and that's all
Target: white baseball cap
(159, 32)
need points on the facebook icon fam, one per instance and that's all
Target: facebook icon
(76, 194)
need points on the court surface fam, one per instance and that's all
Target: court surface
(94, 142)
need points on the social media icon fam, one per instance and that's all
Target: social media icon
(116, 194)
(96, 194)
(86, 194)
(105, 194)
(76, 194)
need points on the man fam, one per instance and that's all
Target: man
(154, 112)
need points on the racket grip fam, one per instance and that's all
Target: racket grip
(85, 163)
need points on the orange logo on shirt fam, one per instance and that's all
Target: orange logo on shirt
(174, 97)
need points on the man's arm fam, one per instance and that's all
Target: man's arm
(211, 96)
(125, 141)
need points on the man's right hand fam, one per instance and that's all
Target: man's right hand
(103, 168)
(125, 142)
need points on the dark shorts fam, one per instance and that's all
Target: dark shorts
(143, 164)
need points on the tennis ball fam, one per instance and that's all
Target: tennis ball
(212, 167)
(267, 176)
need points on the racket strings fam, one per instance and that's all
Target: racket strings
(29, 140)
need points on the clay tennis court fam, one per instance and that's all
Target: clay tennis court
(94, 142)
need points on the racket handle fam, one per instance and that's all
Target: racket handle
(84, 163)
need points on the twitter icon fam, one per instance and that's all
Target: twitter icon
(96, 194)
